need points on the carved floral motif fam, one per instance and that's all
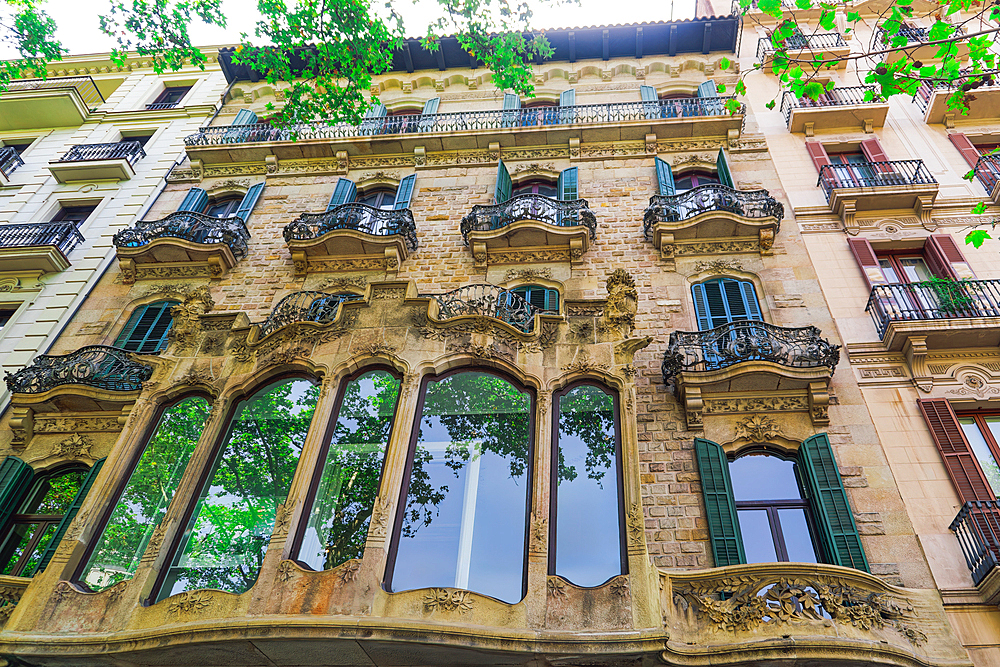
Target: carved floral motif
(75, 446)
(190, 602)
(757, 428)
(448, 599)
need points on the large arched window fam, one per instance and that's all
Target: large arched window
(586, 546)
(142, 502)
(233, 516)
(147, 328)
(345, 489)
(724, 300)
(462, 520)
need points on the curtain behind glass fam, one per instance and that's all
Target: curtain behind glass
(588, 538)
(223, 547)
(146, 495)
(348, 485)
(464, 519)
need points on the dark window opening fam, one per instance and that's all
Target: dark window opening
(19, 147)
(693, 179)
(383, 198)
(223, 208)
(542, 187)
(141, 138)
(74, 214)
(170, 96)
(6, 315)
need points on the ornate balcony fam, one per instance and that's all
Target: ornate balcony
(98, 162)
(528, 225)
(746, 357)
(9, 161)
(850, 106)
(38, 246)
(938, 314)
(977, 528)
(351, 236)
(920, 38)
(487, 300)
(684, 223)
(690, 117)
(315, 307)
(55, 102)
(987, 170)
(825, 45)
(98, 366)
(983, 100)
(183, 244)
(875, 186)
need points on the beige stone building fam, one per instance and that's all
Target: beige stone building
(490, 380)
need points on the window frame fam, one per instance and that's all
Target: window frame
(534, 184)
(169, 90)
(984, 430)
(64, 213)
(234, 201)
(404, 486)
(553, 481)
(163, 340)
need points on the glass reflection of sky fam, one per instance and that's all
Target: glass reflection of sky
(982, 450)
(588, 542)
(760, 477)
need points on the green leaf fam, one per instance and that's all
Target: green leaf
(827, 20)
(724, 63)
(970, 175)
(977, 237)
(721, 87)
(853, 17)
(979, 209)
(770, 105)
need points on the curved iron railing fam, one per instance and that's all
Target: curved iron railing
(98, 366)
(470, 120)
(359, 217)
(838, 97)
(319, 307)
(131, 151)
(488, 300)
(977, 528)
(755, 204)
(9, 161)
(63, 235)
(529, 207)
(196, 227)
(927, 88)
(747, 340)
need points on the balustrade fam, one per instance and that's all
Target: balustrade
(131, 151)
(63, 235)
(755, 204)
(9, 161)
(357, 217)
(189, 226)
(977, 528)
(97, 366)
(488, 300)
(529, 207)
(873, 175)
(818, 42)
(933, 300)
(838, 97)
(84, 85)
(318, 307)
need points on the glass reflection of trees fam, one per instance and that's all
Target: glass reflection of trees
(144, 499)
(464, 516)
(232, 522)
(587, 546)
(349, 481)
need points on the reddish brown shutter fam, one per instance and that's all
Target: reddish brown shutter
(867, 261)
(946, 258)
(818, 154)
(965, 147)
(873, 150)
(963, 468)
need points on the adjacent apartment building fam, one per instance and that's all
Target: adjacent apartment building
(490, 380)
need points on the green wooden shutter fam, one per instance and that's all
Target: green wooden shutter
(829, 504)
(722, 166)
(147, 328)
(511, 105)
(15, 480)
(665, 177)
(720, 508)
(71, 513)
(567, 185)
(373, 119)
(195, 201)
(245, 117)
(405, 192)
(750, 301)
(505, 186)
(249, 201)
(708, 89)
(543, 298)
(651, 100)
(343, 193)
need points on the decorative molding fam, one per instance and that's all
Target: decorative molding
(45, 423)
(193, 602)
(716, 247)
(286, 570)
(636, 524)
(353, 264)
(527, 256)
(527, 274)
(622, 303)
(718, 266)
(555, 587)
(343, 284)
(770, 404)
(380, 517)
(539, 532)
(757, 428)
(583, 364)
(448, 599)
(885, 372)
(75, 446)
(282, 521)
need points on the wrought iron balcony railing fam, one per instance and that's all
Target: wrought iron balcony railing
(488, 300)
(927, 88)
(988, 171)
(98, 366)
(529, 207)
(9, 161)
(746, 340)
(131, 151)
(359, 217)
(318, 307)
(933, 300)
(873, 175)
(977, 527)
(469, 120)
(816, 42)
(160, 106)
(195, 227)
(913, 34)
(838, 97)
(755, 204)
(83, 84)
(63, 235)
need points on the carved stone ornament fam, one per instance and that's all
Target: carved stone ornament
(527, 274)
(186, 325)
(9, 596)
(757, 428)
(192, 602)
(636, 524)
(621, 588)
(61, 591)
(718, 266)
(622, 303)
(539, 532)
(155, 541)
(9, 285)
(533, 168)
(556, 587)
(75, 446)
(342, 284)
(583, 364)
(230, 185)
(286, 570)
(380, 517)
(378, 178)
(375, 349)
(282, 521)
(348, 571)
(776, 404)
(448, 599)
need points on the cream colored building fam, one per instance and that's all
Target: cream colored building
(484, 380)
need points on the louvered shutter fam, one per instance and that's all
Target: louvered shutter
(147, 328)
(511, 101)
(245, 117)
(567, 185)
(711, 104)
(343, 193)
(828, 501)
(405, 192)
(249, 201)
(864, 255)
(372, 120)
(195, 201)
(431, 106)
(15, 480)
(750, 301)
(720, 508)
(959, 460)
(708, 89)
(122, 342)
(651, 101)
(505, 186)
(722, 167)
(567, 98)
(428, 116)
(965, 147)
(665, 178)
(71, 513)
(943, 250)
(873, 150)
(701, 311)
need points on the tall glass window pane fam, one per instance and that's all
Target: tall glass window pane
(348, 484)
(466, 501)
(146, 495)
(588, 537)
(223, 547)
(982, 450)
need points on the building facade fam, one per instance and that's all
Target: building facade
(483, 380)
